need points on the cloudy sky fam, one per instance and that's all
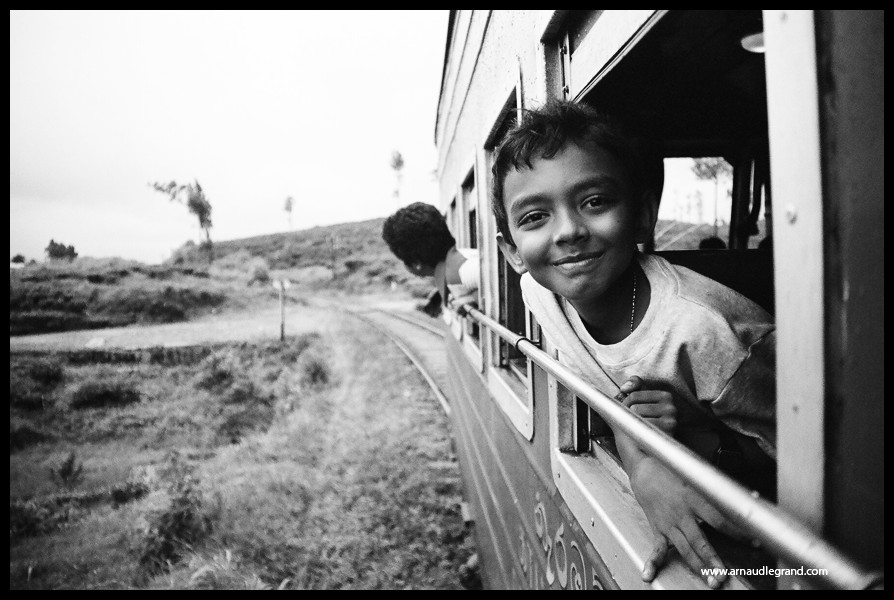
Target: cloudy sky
(256, 106)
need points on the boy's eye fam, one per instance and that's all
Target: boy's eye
(595, 202)
(531, 218)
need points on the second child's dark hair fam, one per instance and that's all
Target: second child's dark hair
(543, 132)
(418, 233)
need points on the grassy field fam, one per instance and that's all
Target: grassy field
(312, 464)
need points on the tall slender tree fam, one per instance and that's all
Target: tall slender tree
(194, 198)
(288, 208)
(397, 165)
(712, 168)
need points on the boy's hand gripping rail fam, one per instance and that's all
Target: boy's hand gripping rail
(777, 530)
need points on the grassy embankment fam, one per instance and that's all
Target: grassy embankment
(91, 293)
(258, 467)
(309, 464)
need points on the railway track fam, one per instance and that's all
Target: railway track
(421, 339)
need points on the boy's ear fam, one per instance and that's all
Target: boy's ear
(511, 253)
(648, 216)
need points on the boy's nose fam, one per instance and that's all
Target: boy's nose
(569, 229)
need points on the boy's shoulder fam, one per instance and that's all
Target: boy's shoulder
(693, 296)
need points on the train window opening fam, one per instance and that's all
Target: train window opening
(511, 312)
(591, 430)
(707, 204)
(470, 202)
(512, 315)
(696, 204)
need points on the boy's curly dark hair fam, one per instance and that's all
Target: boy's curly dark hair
(543, 132)
(418, 233)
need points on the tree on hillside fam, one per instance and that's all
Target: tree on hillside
(195, 201)
(397, 165)
(716, 169)
(18, 258)
(288, 208)
(57, 251)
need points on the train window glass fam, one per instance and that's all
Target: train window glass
(696, 204)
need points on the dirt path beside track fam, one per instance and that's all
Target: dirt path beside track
(251, 325)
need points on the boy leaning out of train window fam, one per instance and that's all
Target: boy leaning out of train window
(573, 196)
(418, 235)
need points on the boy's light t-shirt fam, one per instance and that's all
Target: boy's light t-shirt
(700, 340)
(469, 274)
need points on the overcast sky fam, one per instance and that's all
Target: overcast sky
(256, 106)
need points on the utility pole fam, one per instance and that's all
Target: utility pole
(282, 286)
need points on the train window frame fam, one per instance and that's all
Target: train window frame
(511, 386)
(470, 204)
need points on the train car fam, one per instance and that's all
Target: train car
(791, 105)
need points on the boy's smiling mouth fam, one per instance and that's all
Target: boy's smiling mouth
(573, 262)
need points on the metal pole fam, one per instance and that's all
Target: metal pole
(282, 311)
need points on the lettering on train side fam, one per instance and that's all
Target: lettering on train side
(565, 563)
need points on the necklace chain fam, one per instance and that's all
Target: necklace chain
(633, 304)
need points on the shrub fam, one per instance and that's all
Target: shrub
(175, 530)
(313, 369)
(245, 421)
(128, 491)
(22, 435)
(46, 372)
(217, 371)
(242, 391)
(260, 275)
(69, 472)
(353, 265)
(27, 518)
(100, 394)
(24, 395)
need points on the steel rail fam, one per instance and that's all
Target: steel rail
(776, 529)
(403, 347)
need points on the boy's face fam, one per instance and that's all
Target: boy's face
(575, 222)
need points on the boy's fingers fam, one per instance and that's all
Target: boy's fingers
(632, 384)
(649, 397)
(642, 398)
(656, 560)
(691, 557)
(647, 410)
(706, 554)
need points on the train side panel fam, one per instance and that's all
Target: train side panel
(526, 536)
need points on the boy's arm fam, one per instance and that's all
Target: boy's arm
(673, 510)
(672, 507)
